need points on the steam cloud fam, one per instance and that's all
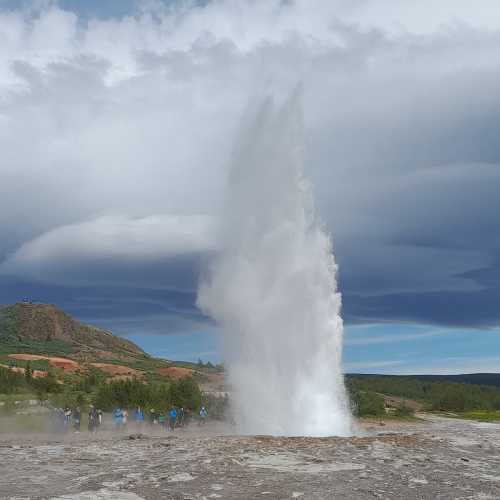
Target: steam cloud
(273, 290)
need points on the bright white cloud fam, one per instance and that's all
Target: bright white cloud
(107, 239)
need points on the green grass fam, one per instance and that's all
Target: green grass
(36, 364)
(482, 415)
(195, 366)
(50, 347)
(149, 364)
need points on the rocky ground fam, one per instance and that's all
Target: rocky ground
(435, 459)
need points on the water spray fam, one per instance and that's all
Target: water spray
(273, 290)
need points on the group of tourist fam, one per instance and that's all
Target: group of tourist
(66, 419)
(70, 419)
(168, 420)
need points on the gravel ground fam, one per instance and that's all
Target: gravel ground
(435, 459)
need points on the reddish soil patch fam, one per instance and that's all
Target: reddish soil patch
(118, 370)
(66, 364)
(18, 369)
(176, 372)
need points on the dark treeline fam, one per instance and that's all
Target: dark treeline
(492, 379)
(129, 393)
(437, 396)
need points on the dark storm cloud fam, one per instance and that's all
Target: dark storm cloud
(125, 311)
(477, 309)
(116, 133)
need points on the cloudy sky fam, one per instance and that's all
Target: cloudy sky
(117, 122)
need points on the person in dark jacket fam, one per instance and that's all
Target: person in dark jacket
(93, 419)
(77, 418)
(153, 416)
(180, 417)
(67, 418)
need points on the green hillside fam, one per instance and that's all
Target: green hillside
(38, 334)
(47, 355)
(45, 329)
(369, 392)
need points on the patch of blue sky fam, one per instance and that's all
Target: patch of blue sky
(407, 349)
(87, 9)
(84, 8)
(181, 347)
(380, 348)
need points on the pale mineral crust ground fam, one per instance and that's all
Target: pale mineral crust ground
(435, 459)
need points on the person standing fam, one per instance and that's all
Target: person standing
(139, 418)
(67, 418)
(180, 417)
(77, 417)
(162, 421)
(173, 418)
(93, 419)
(152, 416)
(203, 414)
(118, 418)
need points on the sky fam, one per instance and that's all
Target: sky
(117, 122)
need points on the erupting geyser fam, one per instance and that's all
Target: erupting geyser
(273, 291)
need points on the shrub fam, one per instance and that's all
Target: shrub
(131, 393)
(11, 382)
(367, 404)
(404, 411)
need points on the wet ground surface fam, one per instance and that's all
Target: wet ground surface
(435, 459)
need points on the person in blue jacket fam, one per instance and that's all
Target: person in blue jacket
(173, 417)
(139, 417)
(118, 418)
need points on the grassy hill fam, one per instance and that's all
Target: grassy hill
(441, 393)
(45, 337)
(48, 355)
(45, 329)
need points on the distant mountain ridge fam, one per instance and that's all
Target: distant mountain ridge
(43, 328)
(491, 379)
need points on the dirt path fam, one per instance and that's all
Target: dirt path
(437, 459)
